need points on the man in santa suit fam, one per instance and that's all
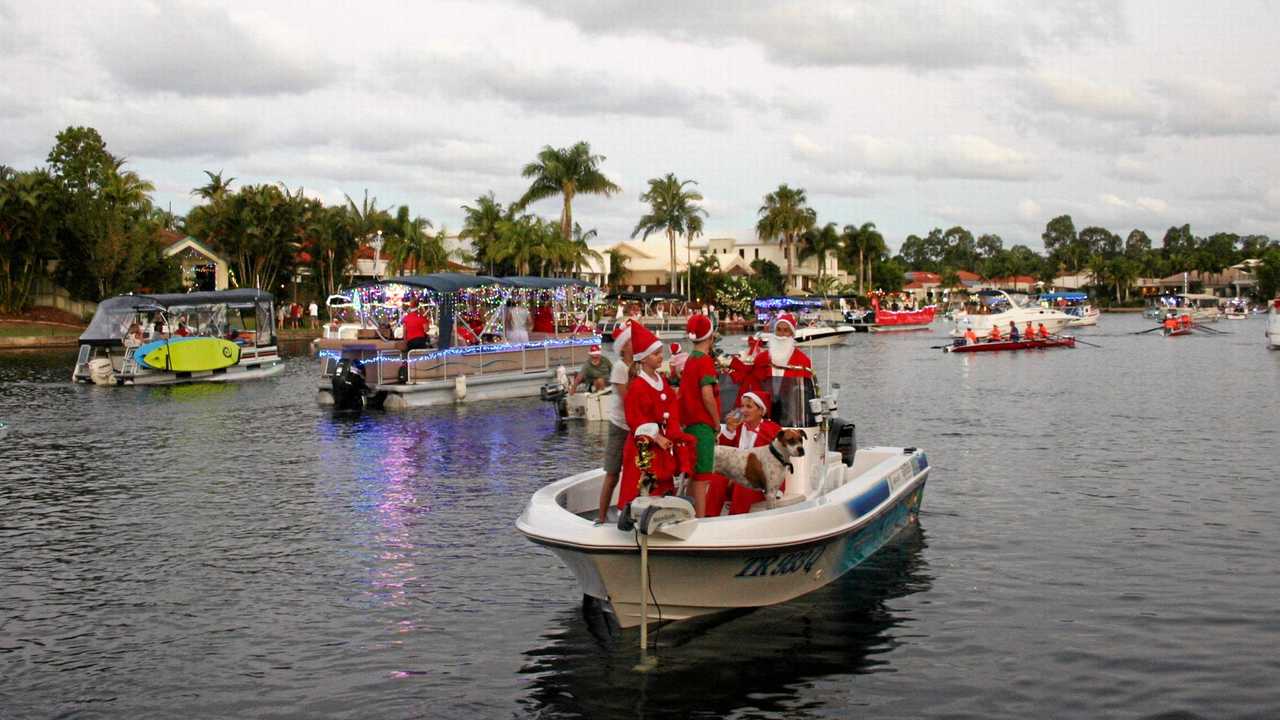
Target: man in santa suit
(761, 371)
(653, 411)
(747, 428)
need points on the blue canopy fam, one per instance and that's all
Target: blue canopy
(1068, 296)
(445, 282)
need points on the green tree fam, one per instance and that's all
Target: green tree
(785, 216)
(866, 241)
(566, 172)
(705, 277)
(410, 247)
(28, 233)
(617, 276)
(1058, 233)
(481, 226)
(673, 210)
(821, 243)
(768, 276)
(1268, 274)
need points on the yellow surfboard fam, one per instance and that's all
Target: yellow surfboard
(190, 354)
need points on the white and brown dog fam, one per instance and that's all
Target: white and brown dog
(762, 468)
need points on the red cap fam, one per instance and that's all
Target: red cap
(595, 350)
(699, 327)
(787, 318)
(622, 333)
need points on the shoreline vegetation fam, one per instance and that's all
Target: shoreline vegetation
(87, 223)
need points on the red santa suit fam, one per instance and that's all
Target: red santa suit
(745, 438)
(544, 320)
(758, 371)
(652, 405)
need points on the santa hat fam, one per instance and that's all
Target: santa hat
(643, 342)
(755, 399)
(699, 327)
(622, 334)
(787, 318)
(594, 351)
(678, 357)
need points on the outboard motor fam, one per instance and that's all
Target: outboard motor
(349, 387)
(842, 437)
(555, 394)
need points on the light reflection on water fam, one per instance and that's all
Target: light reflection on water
(1098, 538)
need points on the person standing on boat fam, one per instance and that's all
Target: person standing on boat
(700, 409)
(780, 359)
(619, 378)
(415, 327)
(746, 428)
(653, 411)
(516, 324)
(544, 318)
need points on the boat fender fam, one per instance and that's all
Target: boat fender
(460, 387)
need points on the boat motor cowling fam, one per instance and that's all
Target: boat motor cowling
(555, 394)
(666, 515)
(842, 437)
(348, 386)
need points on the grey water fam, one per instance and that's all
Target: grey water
(1100, 537)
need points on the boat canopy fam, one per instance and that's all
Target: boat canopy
(114, 315)
(450, 282)
(1068, 296)
(644, 296)
(532, 282)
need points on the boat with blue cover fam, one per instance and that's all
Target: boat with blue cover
(1076, 304)
(838, 508)
(167, 339)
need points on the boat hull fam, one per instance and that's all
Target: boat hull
(474, 388)
(760, 558)
(822, 337)
(1176, 333)
(1067, 342)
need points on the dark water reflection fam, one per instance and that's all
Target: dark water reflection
(1099, 538)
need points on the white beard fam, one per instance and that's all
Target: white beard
(780, 350)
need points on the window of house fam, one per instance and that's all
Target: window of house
(757, 251)
(742, 253)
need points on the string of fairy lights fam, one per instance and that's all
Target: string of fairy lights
(464, 350)
(385, 303)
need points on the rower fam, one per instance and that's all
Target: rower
(995, 334)
(1186, 321)
(1170, 323)
(1043, 332)
(970, 337)
(1013, 331)
(1030, 332)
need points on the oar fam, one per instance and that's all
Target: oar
(1209, 330)
(1085, 342)
(1144, 332)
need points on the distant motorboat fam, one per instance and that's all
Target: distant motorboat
(1075, 304)
(823, 335)
(1236, 309)
(1201, 307)
(996, 307)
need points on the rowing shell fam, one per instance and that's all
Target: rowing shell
(999, 345)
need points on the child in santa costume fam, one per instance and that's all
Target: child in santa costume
(700, 410)
(653, 411)
(760, 370)
(744, 429)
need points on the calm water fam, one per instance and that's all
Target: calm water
(1099, 539)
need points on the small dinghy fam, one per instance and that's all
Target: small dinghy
(1066, 341)
(839, 507)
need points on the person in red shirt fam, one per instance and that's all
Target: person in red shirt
(544, 319)
(1043, 332)
(653, 411)
(700, 404)
(994, 336)
(747, 428)
(1029, 333)
(415, 327)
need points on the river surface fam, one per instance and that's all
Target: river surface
(1100, 537)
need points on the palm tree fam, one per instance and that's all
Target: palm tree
(410, 245)
(672, 210)
(868, 242)
(692, 231)
(525, 239)
(821, 242)
(580, 251)
(784, 217)
(566, 172)
(215, 189)
(480, 226)
(617, 269)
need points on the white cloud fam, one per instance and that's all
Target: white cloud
(1207, 106)
(197, 50)
(1125, 167)
(1029, 210)
(950, 157)
(915, 35)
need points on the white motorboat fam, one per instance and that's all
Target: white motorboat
(823, 335)
(838, 509)
(1201, 307)
(1075, 304)
(996, 307)
(219, 336)
(1236, 309)
(1273, 325)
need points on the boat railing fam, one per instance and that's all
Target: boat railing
(129, 366)
(386, 358)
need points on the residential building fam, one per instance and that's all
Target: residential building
(202, 268)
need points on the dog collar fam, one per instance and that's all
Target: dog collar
(778, 456)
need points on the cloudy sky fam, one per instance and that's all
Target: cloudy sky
(996, 116)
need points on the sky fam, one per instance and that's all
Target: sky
(997, 116)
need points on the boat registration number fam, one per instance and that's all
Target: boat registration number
(781, 564)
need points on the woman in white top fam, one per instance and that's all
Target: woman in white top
(516, 325)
